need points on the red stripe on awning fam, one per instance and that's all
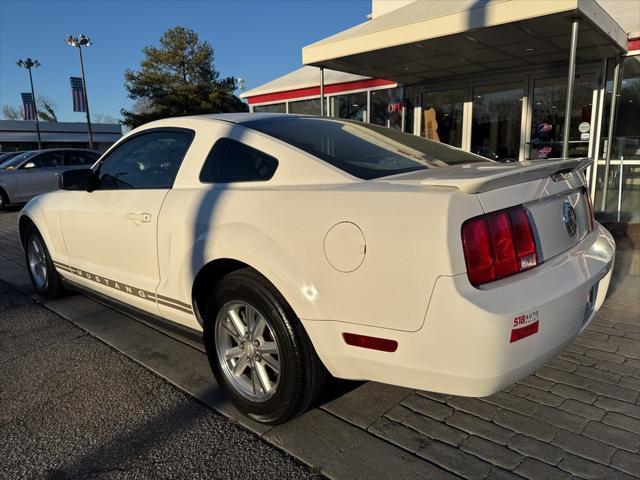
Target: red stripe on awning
(634, 44)
(312, 91)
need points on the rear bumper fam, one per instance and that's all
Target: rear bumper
(471, 342)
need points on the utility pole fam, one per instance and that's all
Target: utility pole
(29, 64)
(83, 41)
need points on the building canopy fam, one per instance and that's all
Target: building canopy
(432, 39)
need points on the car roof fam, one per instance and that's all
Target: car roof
(237, 118)
(67, 149)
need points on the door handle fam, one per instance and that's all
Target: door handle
(138, 218)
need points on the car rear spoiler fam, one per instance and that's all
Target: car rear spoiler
(482, 177)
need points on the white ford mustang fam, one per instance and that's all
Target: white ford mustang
(303, 244)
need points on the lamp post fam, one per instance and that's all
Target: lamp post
(29, 63)
(83, 41)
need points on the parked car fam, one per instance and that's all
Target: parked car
(6, 156)
(32, 173)
(302, 244)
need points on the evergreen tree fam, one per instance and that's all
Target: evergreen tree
(178, 78)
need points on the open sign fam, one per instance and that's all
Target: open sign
(397, 106)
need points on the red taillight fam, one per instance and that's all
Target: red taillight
(498, 245)
(374, 343)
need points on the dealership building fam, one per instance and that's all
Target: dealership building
(22, 135)
(512, 80)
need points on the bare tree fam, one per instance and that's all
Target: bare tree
(47, 109)
(9, 112)
(104, 118)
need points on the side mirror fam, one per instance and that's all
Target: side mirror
(29, 165)
(79, 179)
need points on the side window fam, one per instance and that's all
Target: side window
(232, 161)
(74, 158)
(149, 160)
(47, 159)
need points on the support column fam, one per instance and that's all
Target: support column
(322, 112)
(612, 118)
(570, 83)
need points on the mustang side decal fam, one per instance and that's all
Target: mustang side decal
(122, 287)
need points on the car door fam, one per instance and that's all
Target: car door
(110, 233)
(39, 174)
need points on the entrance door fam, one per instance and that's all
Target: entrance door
(442, 116)
(496, 119)
(548, 115)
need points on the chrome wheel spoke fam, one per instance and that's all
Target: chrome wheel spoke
(269, 348)
(237, 323)
(228, 328)
(250, 315)
(255, 383)
(233, 352)
(240, 366)
(263, 377)
(260, 325)
(272, 363)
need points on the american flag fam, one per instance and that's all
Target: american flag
(77, 92)
(29, 106)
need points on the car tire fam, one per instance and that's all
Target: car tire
(257, 391)
(45, 279)
(4, 200)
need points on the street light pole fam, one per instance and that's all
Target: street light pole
(29, 64)
(80, 42)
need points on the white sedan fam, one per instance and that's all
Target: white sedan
(301, 245)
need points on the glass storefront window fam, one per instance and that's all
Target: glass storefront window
(547, 122)
(623, 193)
(495, 131)
(442, 116)
(273, 108)
(623, 189)
(352, 106)
(626, 133)
(305, 107)
(390, 109)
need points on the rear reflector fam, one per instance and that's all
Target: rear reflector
(374, 343)
(498, 245)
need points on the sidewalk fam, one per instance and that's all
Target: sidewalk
(578, 416)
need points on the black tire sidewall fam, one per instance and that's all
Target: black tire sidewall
(278, 315)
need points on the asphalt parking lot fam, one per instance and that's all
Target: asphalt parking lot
(86, 390)
(73, 407)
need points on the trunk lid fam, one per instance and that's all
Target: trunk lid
(552, 191)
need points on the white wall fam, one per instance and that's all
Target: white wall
(380, 7)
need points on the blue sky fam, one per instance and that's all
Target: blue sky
(257, 40)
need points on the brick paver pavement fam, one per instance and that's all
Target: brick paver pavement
(577, 417)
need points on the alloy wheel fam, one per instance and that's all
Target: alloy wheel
(37, 261)
(247, 351)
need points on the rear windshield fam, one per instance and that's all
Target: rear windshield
(363, 150)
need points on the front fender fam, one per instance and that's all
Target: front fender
(46, 218)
